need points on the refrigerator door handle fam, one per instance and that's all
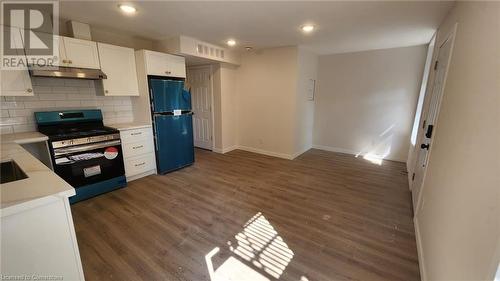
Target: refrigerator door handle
(151, 97)
(154, 135)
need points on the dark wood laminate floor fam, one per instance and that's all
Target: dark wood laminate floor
(323, 216)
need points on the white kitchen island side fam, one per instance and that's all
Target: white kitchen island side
(38, 240)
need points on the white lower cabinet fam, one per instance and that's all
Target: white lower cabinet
(41, 242)
(138, 152)
(139, 165)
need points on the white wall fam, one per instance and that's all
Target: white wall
(119, 38)
(366, 101)
(225, 108)
(307, 68)
(17, 113)
(267, 91)
(459, 223)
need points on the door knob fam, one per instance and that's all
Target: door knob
(425, 146)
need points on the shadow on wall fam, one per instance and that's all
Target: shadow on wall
(257, 253)
(382, 148)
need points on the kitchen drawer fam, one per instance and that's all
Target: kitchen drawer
(135, 135)
(139, 164)
(132, 149)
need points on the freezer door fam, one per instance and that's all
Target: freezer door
(169, 95)
(174, 141)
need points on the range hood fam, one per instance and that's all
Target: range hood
(67, 72)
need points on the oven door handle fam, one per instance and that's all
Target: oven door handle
(80, 148)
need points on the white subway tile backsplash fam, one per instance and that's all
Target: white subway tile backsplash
(91, 103)
(64, 90)
(25, 128)
(17, 113)
(42, 90)
(47, 96)
(39, 104)
(110, 102)
(107, 108)
(11, 105)
(78, 83)
(5, 121)
(68, 103)
(6, 130)
(127, 108)
(51, 82)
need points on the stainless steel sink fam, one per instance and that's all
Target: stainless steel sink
(10, 171)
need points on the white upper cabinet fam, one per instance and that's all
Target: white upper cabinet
(80, 53)
(118, 63)
(162, 64)
(72, 52)
(16, 82)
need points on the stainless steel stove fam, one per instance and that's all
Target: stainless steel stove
(84, 152)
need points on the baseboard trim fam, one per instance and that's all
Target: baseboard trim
(225, 150)
(217, 150)
(348, 151)
(304, 150)
(420, 250)
(334, 149)
(265, 152)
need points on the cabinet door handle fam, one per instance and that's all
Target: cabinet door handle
(168, 72)
(140, 164)
(136, 147)
(65, 61)
(106, 91)
(29, 90)
(135, 134)
(70, 62)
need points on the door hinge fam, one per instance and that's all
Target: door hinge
(413, 177)
(425, 123)
(436, 65)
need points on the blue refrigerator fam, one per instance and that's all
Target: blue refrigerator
(172, 123)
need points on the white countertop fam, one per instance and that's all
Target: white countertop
(42, 183)
(130, 126)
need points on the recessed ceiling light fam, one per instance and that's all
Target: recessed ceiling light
(231, 42)
(307, 28)
(127, 9)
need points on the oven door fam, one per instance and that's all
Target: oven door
(90, 163)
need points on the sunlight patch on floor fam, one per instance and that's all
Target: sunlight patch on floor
(258, 244)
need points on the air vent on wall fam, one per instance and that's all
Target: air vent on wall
(187, 46)
(214, 51)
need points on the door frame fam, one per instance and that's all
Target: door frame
(211, 76)
(428, 96)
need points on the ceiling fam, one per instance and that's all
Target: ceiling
(341, 26)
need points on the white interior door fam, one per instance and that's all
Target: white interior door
(427, 130)
(199, 81)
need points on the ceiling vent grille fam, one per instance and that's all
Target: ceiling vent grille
(209, 51)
